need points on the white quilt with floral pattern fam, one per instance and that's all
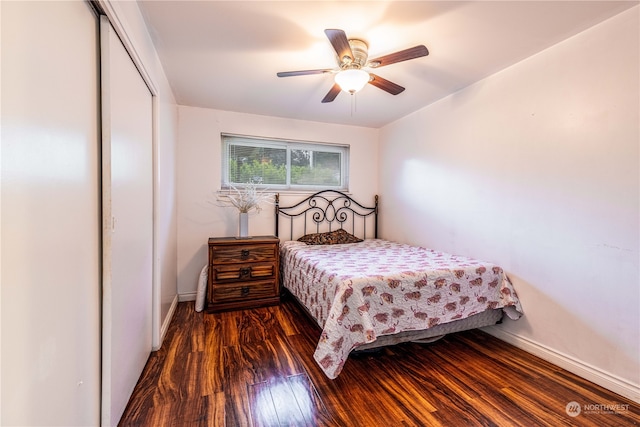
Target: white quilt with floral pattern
(360, 291)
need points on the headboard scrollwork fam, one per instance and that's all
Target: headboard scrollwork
(327, 210)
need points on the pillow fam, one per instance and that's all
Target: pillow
(201, 292)
(337, 237)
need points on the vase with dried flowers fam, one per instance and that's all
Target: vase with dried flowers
(244, 199)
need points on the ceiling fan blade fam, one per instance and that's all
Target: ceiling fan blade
(402, 55)
(385, 85)
(340, 43)
(301, 73)
(331, 95)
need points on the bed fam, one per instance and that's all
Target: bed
(364, 292)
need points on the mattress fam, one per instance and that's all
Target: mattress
(360, 292)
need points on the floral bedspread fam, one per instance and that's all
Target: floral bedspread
(360, 291)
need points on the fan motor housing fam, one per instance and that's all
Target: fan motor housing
(360, 51)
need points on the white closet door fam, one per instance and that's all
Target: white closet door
(128, 224)
(50, 246)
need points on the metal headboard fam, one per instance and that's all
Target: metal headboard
(331, 210)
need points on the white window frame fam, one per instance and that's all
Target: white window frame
(231, 139)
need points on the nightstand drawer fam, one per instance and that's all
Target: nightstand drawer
(243, 253)
(263, 270)
(243, 273)
(244, 291)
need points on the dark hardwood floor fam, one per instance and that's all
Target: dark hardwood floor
(255, 368)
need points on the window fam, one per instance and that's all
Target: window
(281, 164)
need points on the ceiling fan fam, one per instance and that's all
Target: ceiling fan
(351, 75)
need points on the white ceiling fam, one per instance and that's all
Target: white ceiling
(225, 54)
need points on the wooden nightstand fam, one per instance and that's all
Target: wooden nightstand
(243, 273)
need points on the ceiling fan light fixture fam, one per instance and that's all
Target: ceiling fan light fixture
(353, 59)
(352, 80)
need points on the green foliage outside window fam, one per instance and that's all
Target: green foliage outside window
(258, 172)
(269, 174)
(283, 164)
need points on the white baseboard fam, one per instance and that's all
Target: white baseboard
(604, 379)
(167, 322)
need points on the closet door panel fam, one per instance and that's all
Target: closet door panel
(50, 210)
(128, 224)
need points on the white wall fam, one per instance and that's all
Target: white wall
(199, 175)
(536, 168)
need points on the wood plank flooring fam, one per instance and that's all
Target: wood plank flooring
(255, 368)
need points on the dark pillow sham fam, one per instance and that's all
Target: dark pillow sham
(336, 237)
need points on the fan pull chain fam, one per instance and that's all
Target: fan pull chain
(353, 104)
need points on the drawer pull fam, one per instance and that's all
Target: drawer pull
(244, 253)
(244, 291)
(245, 271)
